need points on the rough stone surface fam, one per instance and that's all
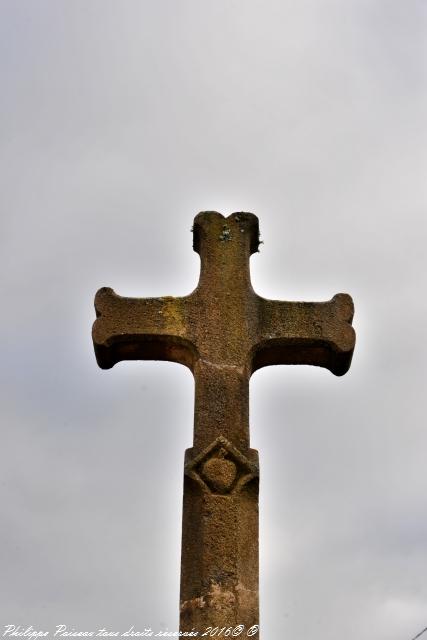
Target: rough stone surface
(223, 332)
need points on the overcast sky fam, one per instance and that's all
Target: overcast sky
(120, 121)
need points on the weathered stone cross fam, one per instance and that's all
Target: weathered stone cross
(223, 332)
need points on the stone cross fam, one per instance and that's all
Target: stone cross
(223, 332)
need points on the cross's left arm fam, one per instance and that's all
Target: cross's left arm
(141, 329)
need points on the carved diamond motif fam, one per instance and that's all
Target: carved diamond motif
(221, 468)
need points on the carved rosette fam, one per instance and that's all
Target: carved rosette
(221, 469)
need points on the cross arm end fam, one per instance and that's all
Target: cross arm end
(313, 333)
(140, 329)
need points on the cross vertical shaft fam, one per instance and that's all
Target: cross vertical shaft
(223, 331)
